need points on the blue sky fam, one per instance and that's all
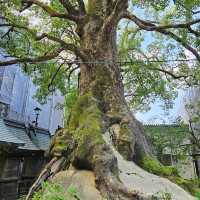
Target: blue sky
(157, 115)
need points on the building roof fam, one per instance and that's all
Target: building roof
(164, 125)
(6, 136)
(34, 139)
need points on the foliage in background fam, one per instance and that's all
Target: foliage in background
(197, 195)
(192, 107)
(145, 78)
(143, 84)
(168, 139)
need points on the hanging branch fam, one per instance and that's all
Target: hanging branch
(54, 77)
(70, 73)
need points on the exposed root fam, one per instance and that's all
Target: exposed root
(113, 189)
(53, 167)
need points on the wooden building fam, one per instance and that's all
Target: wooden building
(21, 157)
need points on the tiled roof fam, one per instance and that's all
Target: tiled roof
(14, 132)
(161, 125)
(6, 136)
(41, 140)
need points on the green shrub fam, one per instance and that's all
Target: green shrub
(189, 185)
(197, 195)
(154, 166)
(52, 191)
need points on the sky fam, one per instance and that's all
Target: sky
(156, 115)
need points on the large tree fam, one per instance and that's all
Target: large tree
(54, 38)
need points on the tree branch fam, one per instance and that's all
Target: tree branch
(119, 7)
(39, 59)
(51, 11)
(66, 46)
(152, 27)
(162, 29)
(174, 76)
(182, 25)
(70, 73)
(182, 42)
(54, 77)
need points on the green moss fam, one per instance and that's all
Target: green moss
(85, 125)
(77, 111)
(84, 132)
(61, 143)
(94, 7)
(154, 166)
(189, 185)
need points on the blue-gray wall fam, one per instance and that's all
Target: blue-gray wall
(17, 90)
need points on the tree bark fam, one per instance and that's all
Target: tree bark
(102, 78)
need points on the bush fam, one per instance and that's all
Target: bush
(191, 186)
(52, 191)
(154, 166)
(197, 195)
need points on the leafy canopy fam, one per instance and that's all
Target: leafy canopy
(157, 42)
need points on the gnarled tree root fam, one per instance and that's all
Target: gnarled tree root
(52, 168)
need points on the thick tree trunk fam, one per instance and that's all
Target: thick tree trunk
(102, 88)
(101, 76)
(101, 108)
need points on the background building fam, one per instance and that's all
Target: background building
(26, 128)
(17, 91)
